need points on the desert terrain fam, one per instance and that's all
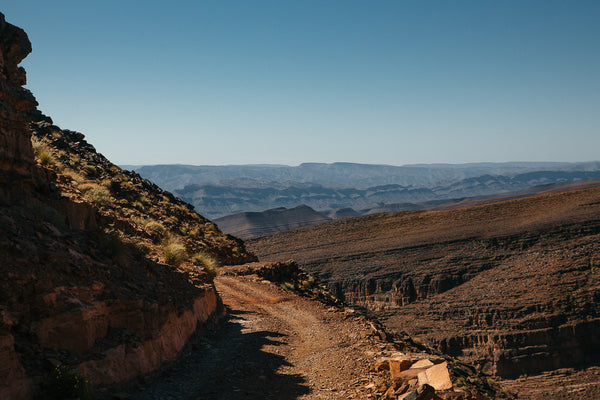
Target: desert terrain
(510, 286)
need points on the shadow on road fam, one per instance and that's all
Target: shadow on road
(230, 364)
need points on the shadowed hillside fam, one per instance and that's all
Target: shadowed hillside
(101, 272)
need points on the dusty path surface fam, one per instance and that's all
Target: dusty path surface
(273, 345)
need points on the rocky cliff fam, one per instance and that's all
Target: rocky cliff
(17, 166)
(511, 286)
(101, 272)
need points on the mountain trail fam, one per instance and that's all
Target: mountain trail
(273, 345)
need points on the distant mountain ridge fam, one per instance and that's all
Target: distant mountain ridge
(218, 191)
(177, 176)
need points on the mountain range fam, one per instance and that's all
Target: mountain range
(218, 191)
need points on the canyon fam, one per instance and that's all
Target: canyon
(509, 285)
(106, 276)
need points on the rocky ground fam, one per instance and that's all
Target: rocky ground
(510, 286)
(560, 384)
(275, 344)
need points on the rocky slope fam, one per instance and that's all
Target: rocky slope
(511, 286)
(101, 272)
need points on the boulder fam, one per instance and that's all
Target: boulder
(397, 365)
(423, 363)
(411, 373)
(437, 376)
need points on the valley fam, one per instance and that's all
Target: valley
(510, 286)
(321, 281)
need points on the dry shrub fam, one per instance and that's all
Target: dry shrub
(98, 195)
(43, 153)
(174, 252)
(208, 262)
(155, 228)
(74, 176)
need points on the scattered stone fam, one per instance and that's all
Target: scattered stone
(436, 376)
(397, 365)
(411, 373)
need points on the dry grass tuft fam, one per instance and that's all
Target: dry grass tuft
(174, 252)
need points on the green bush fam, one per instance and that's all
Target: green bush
(64, 383)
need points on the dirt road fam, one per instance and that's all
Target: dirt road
(273, 345)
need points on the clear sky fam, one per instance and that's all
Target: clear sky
(291, 81)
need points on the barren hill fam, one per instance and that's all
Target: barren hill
(512, 285)
(252, 224)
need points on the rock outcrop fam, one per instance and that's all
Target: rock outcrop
(17, 164)
(101, 272)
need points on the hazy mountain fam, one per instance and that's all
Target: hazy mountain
(171, 177)
(217, 191)
(248, 195)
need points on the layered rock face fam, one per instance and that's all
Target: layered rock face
(16, 154)
(96, 269)
(511, 286)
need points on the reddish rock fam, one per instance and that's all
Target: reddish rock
(397, 365)
(124, 363)
(424, 363)
(15, 384)
(16, 153)
(411, 373)
(436, 376)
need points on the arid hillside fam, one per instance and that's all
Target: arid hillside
(512, 286)
(252, 224)
(101, 272)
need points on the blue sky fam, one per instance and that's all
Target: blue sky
(387, 82)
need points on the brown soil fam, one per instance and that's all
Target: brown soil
(274, 345)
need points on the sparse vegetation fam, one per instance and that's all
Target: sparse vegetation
(43, 152)
(64, 383)
(174, 252)
(114, 244)
(74, 175)
(155, 228)
(90, 170)
(208, 262)
(97, 194)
